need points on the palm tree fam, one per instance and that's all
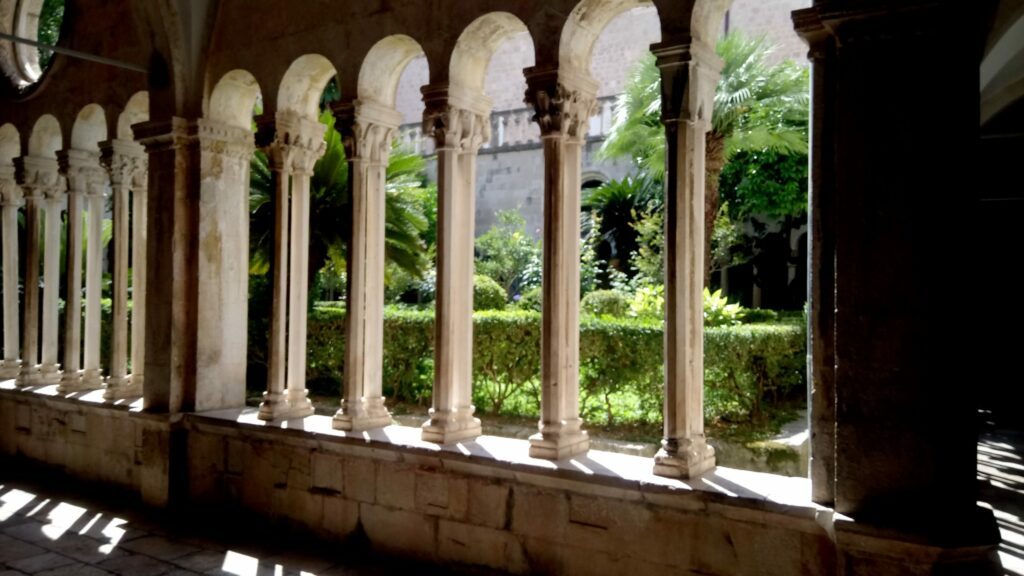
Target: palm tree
(619, 203)
(758, 106)
(330, 218)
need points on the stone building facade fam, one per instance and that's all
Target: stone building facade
(510, 175)
(164, 125)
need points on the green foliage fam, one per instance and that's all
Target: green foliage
(621, 373)
(765, 183)
(408, 204)
(488, 294)
(51, 18)
(508, 254)
(760, 316)
(648, 302)
(532, 299)
(649, 259)
(605, 303)
(718, 311)
(619, 204)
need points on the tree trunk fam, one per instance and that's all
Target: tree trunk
(714, 162)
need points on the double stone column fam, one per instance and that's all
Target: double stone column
(367, 129)
(460, 124)
(44, 187)
(11, 200)
(87, 184)
(125, 161)
(298, 144)
(564, 101)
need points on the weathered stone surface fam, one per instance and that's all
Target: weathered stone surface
(398, 530)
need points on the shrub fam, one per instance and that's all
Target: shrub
(532, 299)
(621, 372)
(759, 316)
(605, 303)
(648, 302)
(488, 294)
(508, 254)
(718, 311)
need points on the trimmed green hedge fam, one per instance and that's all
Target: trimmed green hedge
(621, 373)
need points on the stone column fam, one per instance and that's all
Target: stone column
(11, 199)
(564, 101)
(33, 191)
(905, 378)
(459, 124)
(140, 216)
(171, 264)
(75, 164)
(92, 376)
(367, 129)
(54, 202)
(298, 144)
(122, 160)
(223, 265)
(821, 267)
(689, 75)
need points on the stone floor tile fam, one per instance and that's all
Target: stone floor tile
(40, 563)
(158, 547)
(200, 561)
(136, 565)
(11, 573)
(83, 549)
(75, 570)
(13, 549)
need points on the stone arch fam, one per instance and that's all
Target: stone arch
(303, 84)
(233, 99)
(1002, 71)
(26, 25)
(135, 111)
(706, 20)
(382, 68)
(475, 47)
(584, 26)
(89, 129)
(10, 144)
(46, 138)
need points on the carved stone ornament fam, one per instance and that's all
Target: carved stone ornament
(561, 109)
(456, 128)
(40, 178)
(298, 143)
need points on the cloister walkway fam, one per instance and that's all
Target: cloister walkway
(49, 530)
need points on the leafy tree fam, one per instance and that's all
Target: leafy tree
(51, 16)
(406, 209)
(507, 254)
(758, 107)
(619, 204)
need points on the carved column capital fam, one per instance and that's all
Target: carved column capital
(689, 77)
(456, 119)
(125, 162)
(10, 192)
(298, 143)
(84, 173)
(40, 178)
(225, 140)
(367, 129)
(563, 101)
(160, 135)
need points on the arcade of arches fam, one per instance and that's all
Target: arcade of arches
(892, 482)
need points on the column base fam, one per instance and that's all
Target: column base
(92, 379)
(29, 376)
(361, 414)
(50, 374)
(450, 426)
(688, 462)
(276, 407)
(561, 441)
(9, 369)
(299, 404)
(121, 387)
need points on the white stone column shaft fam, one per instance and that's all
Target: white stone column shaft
(92, 376)
(689, 76)
(138, 257)
(298, 145)
(564, 103)
(49, 367)
(459, 131)
(274, 404)
(367, 130)
(75, 163)
(30, 345)
(11, 199)
(125, 164)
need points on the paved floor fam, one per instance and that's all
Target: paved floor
(1001, 476)
(45, 532)
(48, 530)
